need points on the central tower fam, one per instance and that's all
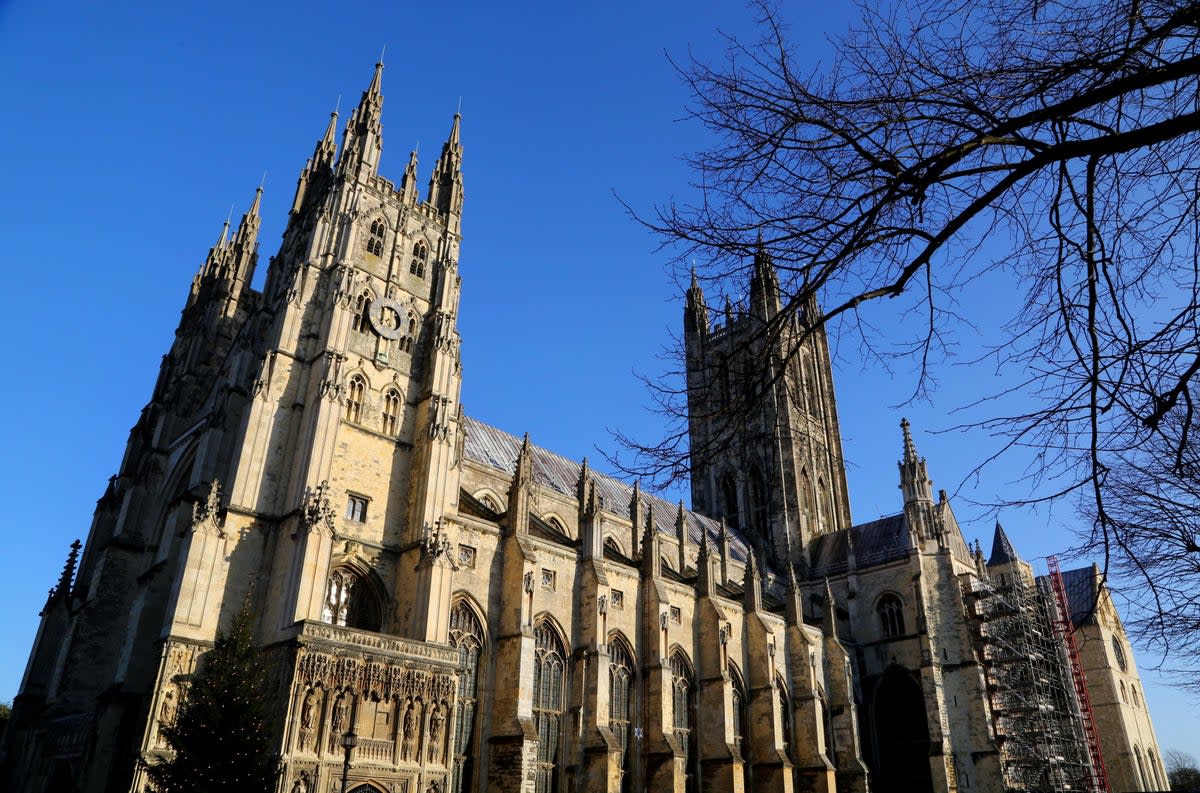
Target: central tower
(765, 446)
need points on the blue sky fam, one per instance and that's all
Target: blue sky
(133, 127)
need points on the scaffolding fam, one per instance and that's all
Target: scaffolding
(1034, 707)
(1098, 780)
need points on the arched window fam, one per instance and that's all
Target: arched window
(826, 520)
(611, 544)
(361, 322)
(785, 716)
(1124, 696)
(620, 704)
(891, 616)
(375, 242)
(806, 498)
(549, 671)
(467, 635)
(391, 411)
(354, 398)
(419, 258)
(683, 708)
(351, 601)
(1119, 654)
(741, 722)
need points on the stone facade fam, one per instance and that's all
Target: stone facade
(483, 613)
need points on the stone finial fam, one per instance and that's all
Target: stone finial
(752, 583)
(829, 619)
(68, 572)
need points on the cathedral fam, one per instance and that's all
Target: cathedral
(446, 607)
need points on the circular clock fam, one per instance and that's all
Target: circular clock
(385, 317)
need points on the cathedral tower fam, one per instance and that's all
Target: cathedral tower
(763, 426)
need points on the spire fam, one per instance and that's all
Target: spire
(764, 284)
(695, 314)
(914, 478)
(1003, 551)
(520, 491)
(445, 183)
(363, 140)
(829, 618)
(910, 448)
(752, 583)
(326, 151)
(408, 185)
(68, 573)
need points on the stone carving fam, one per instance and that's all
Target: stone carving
(317, 513)
(301, 785)
(439, 417)
(437, 723)
(528, 582)
(338, 720)
(435, 544)
(602, 604)
(307, 719)
(166, 714)
(412, 720)
(205, 514)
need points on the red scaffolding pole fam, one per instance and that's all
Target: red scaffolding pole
(1098, 779)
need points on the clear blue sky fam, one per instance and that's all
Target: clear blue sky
(131, 128)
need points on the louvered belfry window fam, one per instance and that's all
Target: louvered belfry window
(620, 701)
(548, 672)
(467, 635)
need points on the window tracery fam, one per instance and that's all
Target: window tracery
(375, 241)
(620, 703)
(354, 398)
(391, 412)
(891, 616)
(549, 671)
(683, 708)
(419, 258)
(466, 634)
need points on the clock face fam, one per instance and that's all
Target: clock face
(385, 316)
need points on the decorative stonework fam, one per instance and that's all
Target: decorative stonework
(206, 516)
(317, 513)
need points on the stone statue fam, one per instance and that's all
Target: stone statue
(409, 744)
(337, 720)
(437, 721)
(306, 719)
(166, 714)
(301, 783)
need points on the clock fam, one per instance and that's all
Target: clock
(385, 316)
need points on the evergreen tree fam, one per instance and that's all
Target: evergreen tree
(220, 736)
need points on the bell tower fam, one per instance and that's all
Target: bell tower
(762, 418)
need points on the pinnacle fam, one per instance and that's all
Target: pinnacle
(910, 449)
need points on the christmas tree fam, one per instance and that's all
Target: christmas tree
(220, 735)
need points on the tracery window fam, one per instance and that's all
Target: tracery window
(683, 708)
(729, 496)
(391, 412)
(1119, 654)
(350, 601)
(375, 242)
(549, 670)
(620, 704)
(891, 616)
(467, 635)
(354, 398)
(419, 259)
(361, 322)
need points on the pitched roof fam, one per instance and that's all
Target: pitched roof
(877, 542)
(498, 449)
(1083, 588)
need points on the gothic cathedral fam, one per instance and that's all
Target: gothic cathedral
(486, 615)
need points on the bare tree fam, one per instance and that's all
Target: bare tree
(1049, 142)
(1183, 771)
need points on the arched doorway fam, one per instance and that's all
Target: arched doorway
(901, 735)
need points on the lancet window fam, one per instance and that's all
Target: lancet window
(620, 703)
(467, 635)
(740, 721)
(361, 322)
(391, 412)
(549, 671)
(355, 394)
(785, 716)
(891, 616)
(375, 241)
(419, 259)
(683, 707)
